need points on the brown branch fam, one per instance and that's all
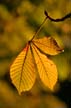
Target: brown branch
(59, 19)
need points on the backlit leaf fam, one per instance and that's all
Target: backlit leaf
(46, 68)
(48, 45)
(22, 71)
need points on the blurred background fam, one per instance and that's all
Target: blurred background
(19, 19)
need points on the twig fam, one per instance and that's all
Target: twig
(59, 19)
(54, 20)
(38, 30)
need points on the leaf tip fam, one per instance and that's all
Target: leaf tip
(62, 50)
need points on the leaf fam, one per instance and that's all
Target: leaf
(48, 45)
(46, 68)
(22, 71)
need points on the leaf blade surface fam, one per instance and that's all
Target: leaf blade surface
(47, 45)
(46, 68)
(22, 71)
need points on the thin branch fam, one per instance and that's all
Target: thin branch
(39, 29)
(59, 19)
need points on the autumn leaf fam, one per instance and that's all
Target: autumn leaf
(48, 45)
(23, 70)
(46, 68)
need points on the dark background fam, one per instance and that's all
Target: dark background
(19, 19)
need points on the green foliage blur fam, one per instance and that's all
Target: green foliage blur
(19, 20)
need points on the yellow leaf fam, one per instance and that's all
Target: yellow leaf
(48, 45)
(46, 68)
(22, 71)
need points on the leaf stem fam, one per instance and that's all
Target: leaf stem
(39, 29)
